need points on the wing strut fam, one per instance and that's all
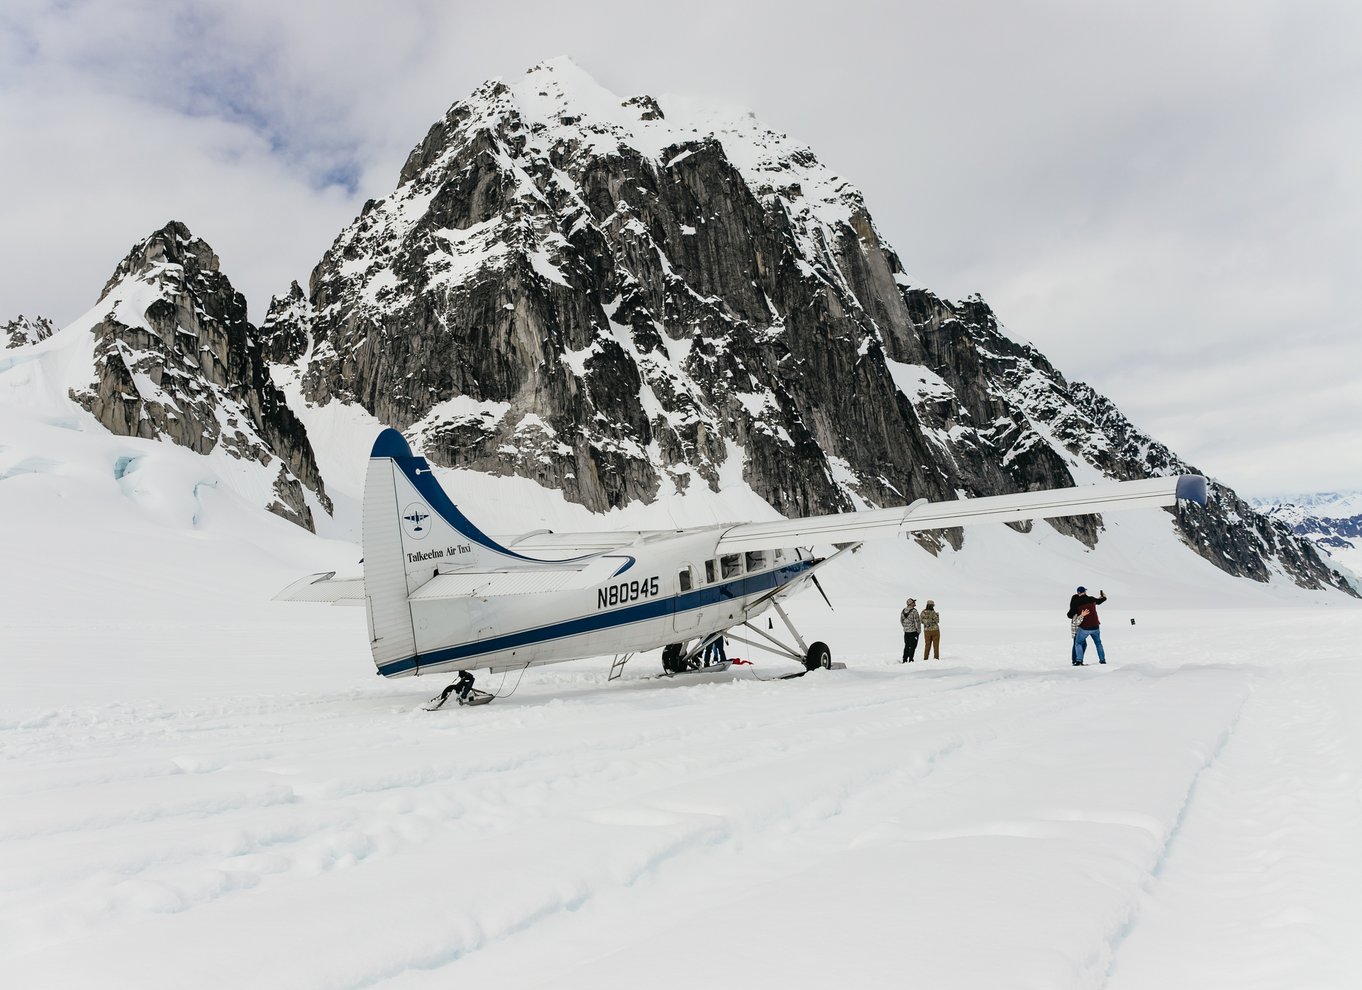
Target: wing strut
(775, 644)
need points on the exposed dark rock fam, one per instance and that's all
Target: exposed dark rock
(21, 330)
(285, 331)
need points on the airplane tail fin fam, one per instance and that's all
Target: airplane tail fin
(392, 635)
(410, 531)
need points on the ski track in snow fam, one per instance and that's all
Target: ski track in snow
(1286, 782)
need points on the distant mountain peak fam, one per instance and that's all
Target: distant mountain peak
(175, 359)
(22, 331)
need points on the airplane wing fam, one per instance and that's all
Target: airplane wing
(856, 527)
(575, 544)
(458, 582)
(324, 588)
(570, 544)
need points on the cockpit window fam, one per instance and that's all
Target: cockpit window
(731, 565)
(756, 560)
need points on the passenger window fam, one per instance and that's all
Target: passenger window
(711, 571)
(780, 556)
(683, 578)
(731, 565)
(756, 560)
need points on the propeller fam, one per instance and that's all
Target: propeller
(820, 590)
(815, 576)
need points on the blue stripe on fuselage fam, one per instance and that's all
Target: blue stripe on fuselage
(700, 598)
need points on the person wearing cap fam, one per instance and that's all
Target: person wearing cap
(1083, 609)
(912, 625)
(931, 630)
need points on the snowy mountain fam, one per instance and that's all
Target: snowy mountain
(167, 354)
(657, 311)
(1300, 509)
(22, 330)
(1331, 520)
(621, 300)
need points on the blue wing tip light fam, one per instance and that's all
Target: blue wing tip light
(1192, 487)
(390, 443)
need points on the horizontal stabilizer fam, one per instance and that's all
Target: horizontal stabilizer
(324, 588)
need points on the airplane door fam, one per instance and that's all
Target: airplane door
(686, 615)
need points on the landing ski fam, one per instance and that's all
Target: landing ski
(721, 665)
(475, 697)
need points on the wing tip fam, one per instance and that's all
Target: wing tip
(1192, 487)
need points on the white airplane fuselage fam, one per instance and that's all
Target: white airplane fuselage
(672, 589)
(441, 595)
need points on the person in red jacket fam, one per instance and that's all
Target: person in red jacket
(1084, 606)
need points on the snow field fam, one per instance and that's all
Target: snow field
(199, 786)
(279, 817)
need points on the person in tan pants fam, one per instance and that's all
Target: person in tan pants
(931, 630)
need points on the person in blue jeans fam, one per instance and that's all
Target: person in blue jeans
(1084, 606)
(714, 652)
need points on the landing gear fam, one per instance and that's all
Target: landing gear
(818, 656)
(810, 657)
(674, 658)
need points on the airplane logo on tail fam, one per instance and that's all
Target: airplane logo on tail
(414, 521)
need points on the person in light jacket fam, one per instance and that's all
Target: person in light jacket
(931, 630)
(912, 626)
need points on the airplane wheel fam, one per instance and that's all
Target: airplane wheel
(819, 656)
(671, 658)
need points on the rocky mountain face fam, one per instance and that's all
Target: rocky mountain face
(621, 299)
(22, 330)
(176, 359)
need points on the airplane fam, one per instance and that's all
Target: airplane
(446, 597)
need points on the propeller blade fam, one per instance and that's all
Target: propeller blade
(820, 590)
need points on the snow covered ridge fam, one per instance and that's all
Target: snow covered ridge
(1316, 505)
(1331, 520)
(167, 354)
(22, 330)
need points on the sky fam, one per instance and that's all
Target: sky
(1165, 198)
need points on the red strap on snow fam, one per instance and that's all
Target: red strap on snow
(740, 661)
